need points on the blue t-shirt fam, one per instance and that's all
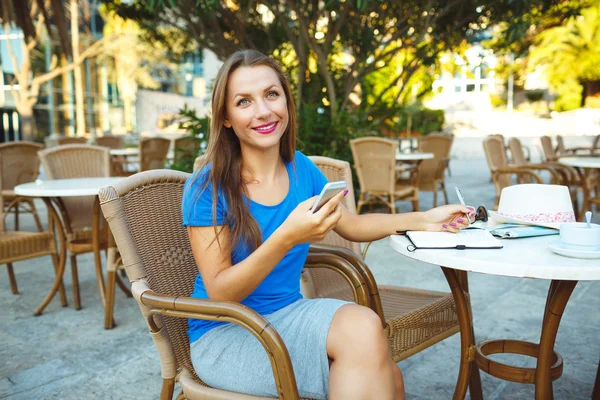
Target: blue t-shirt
(282, 286)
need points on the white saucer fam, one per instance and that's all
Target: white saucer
(569, 250)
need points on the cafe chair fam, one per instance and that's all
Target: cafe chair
(585, 179)
(153, 153)
(559, 174)
(502, 173)
(144, 214)
(80, 161)
(375, 165)
(18, 246)
(70, 140)
(431, 172)
(563, 151)
(413, 319)
(185, 147)
(117, 162)
(112, 142)
(20, 164)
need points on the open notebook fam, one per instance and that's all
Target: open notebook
(464, 239)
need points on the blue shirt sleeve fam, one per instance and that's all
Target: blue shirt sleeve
(197, 204)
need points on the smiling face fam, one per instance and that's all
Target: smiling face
(257, 108)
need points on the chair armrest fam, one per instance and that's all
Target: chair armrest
(517, 170)
(358, 265)
(226, 311)
(325, 259)
(556, 177)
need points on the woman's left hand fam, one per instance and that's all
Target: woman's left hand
(450, 218)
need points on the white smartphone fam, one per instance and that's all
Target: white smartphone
(329, 190)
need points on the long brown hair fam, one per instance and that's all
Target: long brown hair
(224, 152)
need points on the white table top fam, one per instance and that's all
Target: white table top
(581, 162)
(65, 187)
(413, 156)
(130, 151)
(522, 258)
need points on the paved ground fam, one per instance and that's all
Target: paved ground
(66, 354)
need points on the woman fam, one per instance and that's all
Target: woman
(247, 212)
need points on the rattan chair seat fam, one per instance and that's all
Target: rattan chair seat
(416, 318)
(15, 246)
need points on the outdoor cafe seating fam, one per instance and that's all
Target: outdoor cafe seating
(431, 172)
(20, 164)
(375, 166)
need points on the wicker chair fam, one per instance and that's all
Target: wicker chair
(70, 140)
(144, 214)
(375, 165)
(185, 147)
(153, 153)
(17, 246)
(112, 142)
(414, 319)
(77, 161)
(431, 172)
(502, 173)
(20, 164)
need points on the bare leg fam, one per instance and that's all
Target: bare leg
(361, 367)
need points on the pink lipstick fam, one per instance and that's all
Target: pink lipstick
(266, 128)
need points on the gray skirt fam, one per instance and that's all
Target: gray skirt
(230, 358)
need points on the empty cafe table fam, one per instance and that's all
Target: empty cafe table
(520, 258)
(52, 191)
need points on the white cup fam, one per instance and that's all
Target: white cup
(578, 234)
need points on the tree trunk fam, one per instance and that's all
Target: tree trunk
(27, 123)
(78, 80)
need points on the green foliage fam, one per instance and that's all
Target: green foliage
(534, 95)
(198, 131)
(570, 55)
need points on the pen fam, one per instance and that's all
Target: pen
(462, 201)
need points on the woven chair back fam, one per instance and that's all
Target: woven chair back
(549, 152)
(153, 153)
(560, 145)
(70, 140)
(20, 163)
(596, 143)
(431, 171)
(144, 214)
(495, 153)
(185, 147)
(516, 150)
(375, 163)
(112, 142)
(325, 282)
(77, 161)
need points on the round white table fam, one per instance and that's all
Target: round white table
(583, 164)
(129, 151)
(521, 258)
(51, 192)
(416, 156)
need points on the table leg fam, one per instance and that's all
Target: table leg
(467, 340)
(54, 220)
(596, 391)
(96, 246)
(558, 296)
(475, 389)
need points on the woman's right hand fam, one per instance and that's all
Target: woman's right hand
(303, 226)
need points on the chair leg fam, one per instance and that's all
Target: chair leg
(11, 278)
(443, 185)
(61, 288)
(393, 204)
(435, 198)
(168, 387)
(75, 275)
(110, 300)
(17, 217)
